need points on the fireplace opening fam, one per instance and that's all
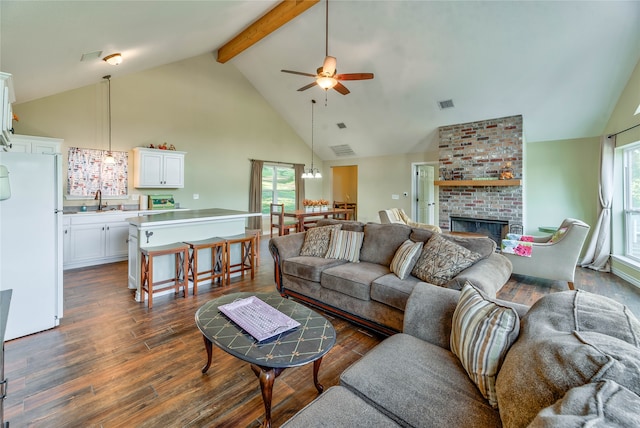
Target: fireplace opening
(494, 229)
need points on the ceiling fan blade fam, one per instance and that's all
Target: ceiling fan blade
(341, 88)
(298, 72)
(354, 76)
(310, 85)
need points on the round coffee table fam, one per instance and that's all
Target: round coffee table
(307, 343)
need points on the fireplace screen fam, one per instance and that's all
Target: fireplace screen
(494, 229)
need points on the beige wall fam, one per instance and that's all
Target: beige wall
(202, 107)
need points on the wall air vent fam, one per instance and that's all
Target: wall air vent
(445, 104)
(342, 150)
(341, 125)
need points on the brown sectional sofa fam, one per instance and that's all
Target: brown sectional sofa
(368, 293)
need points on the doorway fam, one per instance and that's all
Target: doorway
(423, 207)
(345, 186)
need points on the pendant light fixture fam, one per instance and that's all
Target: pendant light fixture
(312, 172)
(109, 158)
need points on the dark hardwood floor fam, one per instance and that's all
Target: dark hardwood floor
(114, 363)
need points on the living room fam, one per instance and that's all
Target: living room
(221, 119)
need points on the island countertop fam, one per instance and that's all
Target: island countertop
(188, 216)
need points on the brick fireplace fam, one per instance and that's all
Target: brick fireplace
(473, 154)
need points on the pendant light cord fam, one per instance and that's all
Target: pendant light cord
(312, 104)
(108, 77)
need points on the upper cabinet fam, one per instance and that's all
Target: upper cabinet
(7, 97)
(154, 168)
(31, 144)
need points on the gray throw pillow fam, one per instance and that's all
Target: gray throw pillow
(316, 240)
(441, 260)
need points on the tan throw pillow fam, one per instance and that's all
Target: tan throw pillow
(316, 240)
(405, 258)
(345, 245)
(481, 334)
(441, 260)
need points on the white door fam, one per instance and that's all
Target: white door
(173, 170)
(425, 191)
(151, 169)
(117, 239)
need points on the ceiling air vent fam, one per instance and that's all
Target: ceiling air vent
(342, 150)
(90, 56)
(341, 125)
(445, 104)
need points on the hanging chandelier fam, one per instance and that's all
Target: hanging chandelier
(311, 172)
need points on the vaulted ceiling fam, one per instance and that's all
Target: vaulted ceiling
(560, 64)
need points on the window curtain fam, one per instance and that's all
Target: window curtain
(298, 169)
(599, 249)
(255, 194)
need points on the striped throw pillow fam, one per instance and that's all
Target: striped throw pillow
(405, 258)
(345, 245)
(481, 334)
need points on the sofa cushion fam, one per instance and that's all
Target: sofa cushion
(441, 260)
(567, 339)
(419, 384)
(481, 334)
(308, 268)
(405, 258)
(353, 279)
(483, 246)
(597, 404)
(381, 242)
(316, 240)
(345, 245)
(393, 291)
(339, 407)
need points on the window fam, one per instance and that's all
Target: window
(278, 186)
(632, 202)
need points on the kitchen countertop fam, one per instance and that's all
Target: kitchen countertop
(188, 216)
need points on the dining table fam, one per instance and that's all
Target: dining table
(301, 215)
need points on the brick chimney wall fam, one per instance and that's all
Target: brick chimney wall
(481, 149)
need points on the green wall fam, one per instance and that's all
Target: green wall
(560, 181)
(202, 107)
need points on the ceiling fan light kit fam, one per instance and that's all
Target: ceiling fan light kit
(326, 76)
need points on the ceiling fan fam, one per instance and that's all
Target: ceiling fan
(326, 76)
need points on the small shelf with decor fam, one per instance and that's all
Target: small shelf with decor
(477, 183)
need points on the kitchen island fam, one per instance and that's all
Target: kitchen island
(149, 231)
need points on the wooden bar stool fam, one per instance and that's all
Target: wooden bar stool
(258, 233)
(218, 268)
(181, 252)
(247, 243)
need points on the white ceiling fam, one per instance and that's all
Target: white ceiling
(562, 65)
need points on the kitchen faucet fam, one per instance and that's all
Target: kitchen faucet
(98, 198)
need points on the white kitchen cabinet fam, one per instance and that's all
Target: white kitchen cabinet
(32, 144)
(7, 98)
(95, 238)
(153, 168)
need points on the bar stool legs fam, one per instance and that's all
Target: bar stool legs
(180, 279)
(248, 244)
(218, 268)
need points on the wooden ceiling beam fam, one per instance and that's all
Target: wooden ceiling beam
(282, 13)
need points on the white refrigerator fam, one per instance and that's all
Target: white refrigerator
(31, 242)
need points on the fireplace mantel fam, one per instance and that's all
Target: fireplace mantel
(477, 183)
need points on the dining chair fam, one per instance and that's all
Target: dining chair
(279, 222)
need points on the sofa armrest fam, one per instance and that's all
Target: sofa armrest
(282, 248)
(429, 312)
(489, 275)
